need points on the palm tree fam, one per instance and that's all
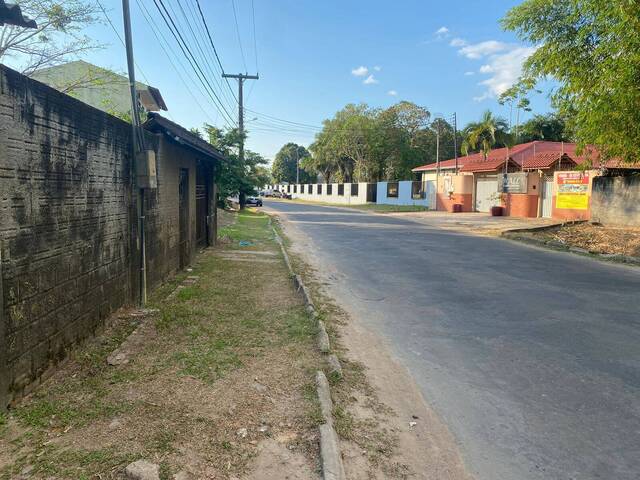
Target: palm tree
(486, 133)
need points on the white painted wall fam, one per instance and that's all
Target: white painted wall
(404, 195)
(347, 198)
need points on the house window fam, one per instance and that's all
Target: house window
(340, 189)
(319, 189)
(295, 189)
(310, 189)
(354, 189)
(288, 188)
(329, 189)
(392, 190)
(417, 193)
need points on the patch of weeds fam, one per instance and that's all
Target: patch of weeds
(226, 445)
(188, 293)
(166, 472)
(44, 413)
(314, 413)
(123, 376)
(344, 423)
(208, 361)
(299, 326)
(177, 315)
(3, 422)
(163, 440)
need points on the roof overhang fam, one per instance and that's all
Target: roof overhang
(11, 14)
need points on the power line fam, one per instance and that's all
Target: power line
(235, 16)
(282, 120)
(202, 77)
(255, 41)
(202, 49)
(157, 32)
(215, 51)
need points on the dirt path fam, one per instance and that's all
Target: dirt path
(387, 428)
(214, 381)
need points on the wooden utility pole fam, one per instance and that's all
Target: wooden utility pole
(241, 78)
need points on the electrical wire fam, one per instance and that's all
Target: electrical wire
(235, 16)
(255, 41)
(189, 55)
(157, 32)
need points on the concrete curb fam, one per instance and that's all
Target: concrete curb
(332, 468)
(330, 457)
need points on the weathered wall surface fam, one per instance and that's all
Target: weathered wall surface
(616, 200)
(64, 223)
(69, 224)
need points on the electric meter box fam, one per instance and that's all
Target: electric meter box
(146, 169)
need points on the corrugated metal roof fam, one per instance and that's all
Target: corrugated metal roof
(156, 122)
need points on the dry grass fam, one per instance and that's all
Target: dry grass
(233, 351)
(596, 238)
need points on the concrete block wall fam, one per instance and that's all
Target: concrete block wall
(65, 232)
(404, 195)
(616, 200)
(68, 225)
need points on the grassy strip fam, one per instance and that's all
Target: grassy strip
(369, 207)
(190, 386)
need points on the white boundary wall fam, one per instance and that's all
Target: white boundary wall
(347, 198)
(404, 195)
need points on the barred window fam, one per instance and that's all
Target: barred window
(354, 189)
(341, 189)
(392, 190)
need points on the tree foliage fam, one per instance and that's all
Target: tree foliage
(363, 144)
(486, 133)
(58, 36)
(592, 48)
(284, 165)
(550, 127)
(236, 177)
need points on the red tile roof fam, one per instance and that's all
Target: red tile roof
(444, 165)
(544, 160)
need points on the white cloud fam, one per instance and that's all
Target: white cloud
(442, 31)
(393, 93)
(377, 68)
(482, 49)
(504, 70)
(370, 80)
(361, 71)
(502, 63)
(468, 74)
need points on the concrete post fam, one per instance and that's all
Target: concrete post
(4, 370)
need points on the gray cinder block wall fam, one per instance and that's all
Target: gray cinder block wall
(616, 200)
(68, 225)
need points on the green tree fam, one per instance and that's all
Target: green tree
(236, 177)
(58, 36)
(549, 127)
(287, 159)
(591, 48)
(485, 134)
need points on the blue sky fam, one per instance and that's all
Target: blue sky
(316, 56)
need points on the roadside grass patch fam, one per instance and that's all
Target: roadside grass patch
(225, 353)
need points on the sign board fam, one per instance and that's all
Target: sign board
(513, 182)
(572, 190)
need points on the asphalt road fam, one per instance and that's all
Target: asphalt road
(531, 357)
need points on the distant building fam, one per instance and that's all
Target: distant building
(99, 87)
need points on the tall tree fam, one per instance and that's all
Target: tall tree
(236, 177)
(591, 48)
(484, 134)
(287, 159)
(550, 127)
(58, 36)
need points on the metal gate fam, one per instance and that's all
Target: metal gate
(486, 189)
(202, 200)
(547, 196)
(183, 217)
(372, 192)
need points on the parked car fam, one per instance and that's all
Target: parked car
(276, 194)
(254, 202)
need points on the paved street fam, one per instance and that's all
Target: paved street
(531, 357)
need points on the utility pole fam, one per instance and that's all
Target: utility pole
(241, 78)
(455, 139)
(297, 166)
(137, 148)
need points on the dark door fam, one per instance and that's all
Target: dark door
(372, 192)
(183, 209)
(202, 201)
